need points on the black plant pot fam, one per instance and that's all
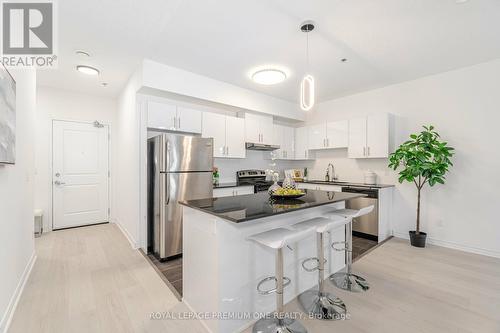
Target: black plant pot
(417, 240)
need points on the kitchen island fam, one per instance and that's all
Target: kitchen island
(221, 268)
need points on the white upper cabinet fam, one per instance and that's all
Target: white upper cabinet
(235, 137)
(188, 120)
(173, 118)
(357, 138)
(317, 136)
(284, 136)
(332, 134)
(337, 134)
(377, 136)
(259, 129)
(228, 134)
(302, 143)
(162, 116)
(369, 137)
(214, 127)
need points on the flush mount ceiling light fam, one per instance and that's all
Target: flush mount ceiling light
(82, 53)
(87, 70)
(269, 76)
(307, 84)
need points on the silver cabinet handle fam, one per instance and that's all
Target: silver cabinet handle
(57, 182)
(364, 151)
(178, 122)
(227, 150)
(174, 119)
(327, 142)
(368, 150)
(305, 153)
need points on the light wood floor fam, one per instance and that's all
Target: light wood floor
(89, 280)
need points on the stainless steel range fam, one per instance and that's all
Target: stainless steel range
(257, 178)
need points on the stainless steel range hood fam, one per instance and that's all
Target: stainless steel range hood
(261, 146)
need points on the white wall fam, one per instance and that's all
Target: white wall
(127, 160)
(58, 104)
(464, 105)
(255, 160)
(16, 201)
(159, 76)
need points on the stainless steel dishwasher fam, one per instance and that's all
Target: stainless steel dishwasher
(364, 226)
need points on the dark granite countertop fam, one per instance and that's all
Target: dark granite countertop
(224, 185)
(243, 208)
(348, 184)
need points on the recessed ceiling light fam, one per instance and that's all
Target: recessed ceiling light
(104, 84)
(87, 70)
(461, 1)
(82, 53)
(343, 59)
(269, 76)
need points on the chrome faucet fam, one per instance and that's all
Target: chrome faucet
(330, 177)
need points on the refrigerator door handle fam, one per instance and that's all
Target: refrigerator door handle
(167, 190)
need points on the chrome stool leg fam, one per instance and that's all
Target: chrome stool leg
(347, 280)
(318, 303)
(278, 323)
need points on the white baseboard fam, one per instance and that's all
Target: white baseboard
(127, 235)
(11, 308)
(453, 245)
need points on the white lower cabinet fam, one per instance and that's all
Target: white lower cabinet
(228, 134)
(320, 187)
(232, 191)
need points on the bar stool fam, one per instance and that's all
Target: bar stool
(321, 304)
(347, 280)
(277, 239)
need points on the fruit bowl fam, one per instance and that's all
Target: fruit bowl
(283, 193)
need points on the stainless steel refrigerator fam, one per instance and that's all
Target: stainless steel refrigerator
(179, 168)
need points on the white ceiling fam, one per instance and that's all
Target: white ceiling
(385, 41)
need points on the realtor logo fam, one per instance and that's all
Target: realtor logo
(28, 34)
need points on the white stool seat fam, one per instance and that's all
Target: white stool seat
(321, 224)
(351, 212)
(38, 212)
(280, 237)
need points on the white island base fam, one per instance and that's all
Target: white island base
(221, 269)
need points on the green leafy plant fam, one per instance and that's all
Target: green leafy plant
(424, 159)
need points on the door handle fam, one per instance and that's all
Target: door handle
(167, 190)
(57, 182)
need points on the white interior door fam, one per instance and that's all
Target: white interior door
(80, 174)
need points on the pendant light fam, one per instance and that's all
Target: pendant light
(307, 84)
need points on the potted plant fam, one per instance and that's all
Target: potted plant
(424, 159)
